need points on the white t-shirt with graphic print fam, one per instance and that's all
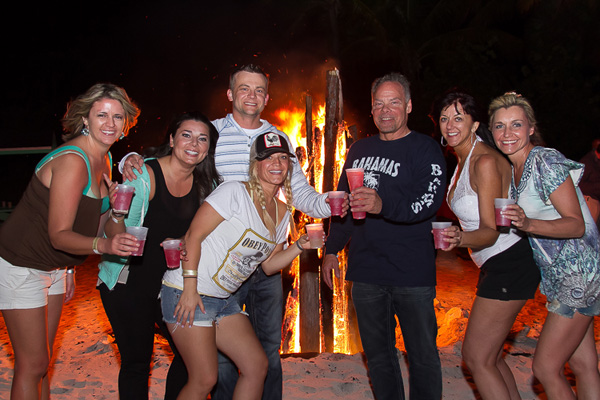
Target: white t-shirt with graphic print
(233, 251)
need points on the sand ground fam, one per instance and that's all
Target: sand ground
(86, 362)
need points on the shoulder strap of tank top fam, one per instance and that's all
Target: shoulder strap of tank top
(68, 150)
(159, 177)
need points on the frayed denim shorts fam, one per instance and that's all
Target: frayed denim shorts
(216, 308)
(564, 310)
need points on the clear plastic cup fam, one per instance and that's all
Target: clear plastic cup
(336, 202)
(315, 235)
(172, 253)
(356, 178)
(140, 233)
(499, 206)
(438, 235)
(123, 199)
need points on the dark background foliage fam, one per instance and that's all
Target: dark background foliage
(176, 56)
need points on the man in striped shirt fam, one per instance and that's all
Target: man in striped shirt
(248, 93)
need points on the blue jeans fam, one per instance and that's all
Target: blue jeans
(263, 296)
(375, 307)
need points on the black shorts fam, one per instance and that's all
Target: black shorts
(510, 275)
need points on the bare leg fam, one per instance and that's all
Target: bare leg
(560, 340)
(28, 334)
(489, 324)
(55, 306)
(584, 364)
(198, 349)
(237, 340)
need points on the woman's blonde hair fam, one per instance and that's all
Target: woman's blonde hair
(256, 190)
(79, 108)
(511, 99)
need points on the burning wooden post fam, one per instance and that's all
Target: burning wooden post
(333, 118)
(317, 319)
(313, 301)
(310, 153)
(310, 321)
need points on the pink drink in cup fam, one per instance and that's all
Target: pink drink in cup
(336, 202)
(123, 199)
(172, 253)
(315, 235)
(438, 235)
(499, 206)
(356, 178)
(140, 233)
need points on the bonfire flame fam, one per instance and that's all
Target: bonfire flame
(292, 122)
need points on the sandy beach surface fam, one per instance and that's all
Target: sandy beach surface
(86, 361)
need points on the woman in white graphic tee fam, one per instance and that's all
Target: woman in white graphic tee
(240, 226)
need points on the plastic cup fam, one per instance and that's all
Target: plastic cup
(140, 233)
(123, 199)
(438, 235)
(499, 206)
(336, 202)
(315, 235)
(172, 253)
(356, 178)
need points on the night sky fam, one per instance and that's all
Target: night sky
(176, 56)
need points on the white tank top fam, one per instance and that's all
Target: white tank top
(465, 206)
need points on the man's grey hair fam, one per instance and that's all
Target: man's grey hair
(392, 77)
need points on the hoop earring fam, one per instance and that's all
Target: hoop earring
(85, 131)
(442, 142)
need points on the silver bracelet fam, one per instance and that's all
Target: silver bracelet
(115, 219)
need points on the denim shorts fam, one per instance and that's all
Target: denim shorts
(564, 310)
(215, 308)
(26, 288)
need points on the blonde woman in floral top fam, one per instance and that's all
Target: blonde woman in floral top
(564, 238)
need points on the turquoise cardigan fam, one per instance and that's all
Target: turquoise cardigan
(111, 266)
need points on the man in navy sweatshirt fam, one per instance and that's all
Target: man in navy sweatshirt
(391, 259)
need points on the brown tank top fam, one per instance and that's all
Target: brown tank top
(24, 237)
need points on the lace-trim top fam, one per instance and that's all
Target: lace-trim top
(465, 206)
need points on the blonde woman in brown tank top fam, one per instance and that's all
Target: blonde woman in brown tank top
(56, 225)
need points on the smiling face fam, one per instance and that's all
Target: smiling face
(105, 121)
(248, 94)
(191, 142)
(456, 126)
(274, 169)
(390, 110)
(512, 131)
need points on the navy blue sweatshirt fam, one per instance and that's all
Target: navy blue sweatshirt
(394, 247)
